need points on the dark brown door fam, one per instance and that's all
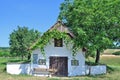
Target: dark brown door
(59, 65)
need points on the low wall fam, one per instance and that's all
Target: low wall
(16, 68)
(98, 69)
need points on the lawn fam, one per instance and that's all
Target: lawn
(110, 60)
(113, 73)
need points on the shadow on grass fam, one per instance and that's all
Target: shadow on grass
(110, 69)
(4, 63)
(4, 70)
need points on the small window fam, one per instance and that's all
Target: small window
(74, 62)
(42, 62)
(58, 42)
(35, 58)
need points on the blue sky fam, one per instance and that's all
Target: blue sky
(34, 14)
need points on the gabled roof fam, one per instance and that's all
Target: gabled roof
(62, 28)
(57, 26)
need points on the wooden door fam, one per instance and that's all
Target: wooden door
(59, 65)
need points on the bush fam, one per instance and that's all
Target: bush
(4, 54)
(116, 53)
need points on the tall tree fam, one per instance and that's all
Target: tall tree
(21, 39)
(95, 23)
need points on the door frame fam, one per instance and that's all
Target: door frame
(66, 63)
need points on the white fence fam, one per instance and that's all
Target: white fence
(16, 68)
(98, 69)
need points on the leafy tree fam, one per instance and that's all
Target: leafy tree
(21, 40)
(95, 23)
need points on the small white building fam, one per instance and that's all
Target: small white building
(57, 61)
(58, 57)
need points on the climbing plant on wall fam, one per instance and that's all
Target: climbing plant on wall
(47, 36)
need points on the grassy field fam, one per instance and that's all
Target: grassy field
(110, 60)
(113, 73)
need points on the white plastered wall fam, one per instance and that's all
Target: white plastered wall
(64, 51)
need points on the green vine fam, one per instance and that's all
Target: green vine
(45, 39)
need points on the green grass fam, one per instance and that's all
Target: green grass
(110, 60)
(113, 72)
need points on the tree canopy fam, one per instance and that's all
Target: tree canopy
(95, 23)
(21, 40)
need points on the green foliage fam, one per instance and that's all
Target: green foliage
(116, 53)
(49, 35)
(4, 52)
(95, 23)
(90, 53)
(21, 40)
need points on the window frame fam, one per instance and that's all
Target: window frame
(42, 62)
(75, 62)
(58, 42)
(35, 60)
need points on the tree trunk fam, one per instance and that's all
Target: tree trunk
(22, 57)
(97, 56)
(29, 56)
